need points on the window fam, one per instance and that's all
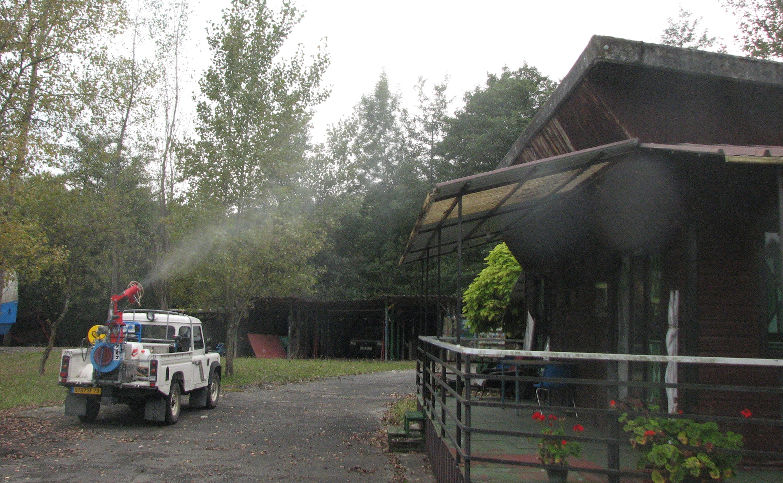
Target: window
(198, 339)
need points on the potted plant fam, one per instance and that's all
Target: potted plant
(677, 449)
(553, 448)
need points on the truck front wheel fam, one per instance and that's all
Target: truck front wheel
(213, 389)
(173, 405)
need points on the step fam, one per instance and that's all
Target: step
(414, 417)
(401, 440)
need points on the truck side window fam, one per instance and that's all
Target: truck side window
(198, 339)
(184, 338)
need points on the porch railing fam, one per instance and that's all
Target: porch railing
(479, 403)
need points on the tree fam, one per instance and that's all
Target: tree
(40, 42)
(480, 134)
(430, 124)
(252, 124)
(761, 26)
(376, 183)
(685, 32)
(489, 295)
(170, 25)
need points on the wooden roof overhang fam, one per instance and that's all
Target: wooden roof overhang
(615, 196)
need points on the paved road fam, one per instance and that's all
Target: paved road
(327, 430)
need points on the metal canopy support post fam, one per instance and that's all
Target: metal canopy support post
(439, 326)
(779, 172)
(458, 318)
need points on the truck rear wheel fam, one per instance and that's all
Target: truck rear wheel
(173, 404)
(93, 406)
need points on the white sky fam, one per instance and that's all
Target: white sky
(461, 39)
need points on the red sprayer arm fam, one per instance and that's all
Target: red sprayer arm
(133, 294)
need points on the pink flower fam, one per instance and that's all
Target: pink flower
(579, 428)
(746, 413)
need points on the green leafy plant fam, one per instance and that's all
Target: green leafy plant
(554, 448)
(678, 448)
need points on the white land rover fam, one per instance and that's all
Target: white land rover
(146, 359)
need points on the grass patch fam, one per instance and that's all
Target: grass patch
(396, 414)
(21, 386)
(258, 372)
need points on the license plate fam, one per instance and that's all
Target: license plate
(87, 390)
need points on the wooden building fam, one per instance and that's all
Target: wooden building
(651, 170)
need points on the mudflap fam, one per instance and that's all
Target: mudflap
(75, 405)
(198, 397)
(155, 409)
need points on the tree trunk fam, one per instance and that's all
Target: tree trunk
(53, 333)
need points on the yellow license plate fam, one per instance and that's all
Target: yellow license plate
(87, 390)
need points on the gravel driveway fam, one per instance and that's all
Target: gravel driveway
(327, 430)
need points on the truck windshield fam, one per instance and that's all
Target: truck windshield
(158, 332)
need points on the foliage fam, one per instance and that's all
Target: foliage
(761, 26)
(685, 32)
(680, 448)
(486, 299)
(252, 120)
(554, 448)
(40, 42)
(252, 124)
(396, 414)
(480, 134)
(372, 180)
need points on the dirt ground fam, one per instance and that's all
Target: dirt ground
(327, 430)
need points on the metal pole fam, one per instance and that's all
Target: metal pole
(459, 271)
(467, 418)
(439, 326)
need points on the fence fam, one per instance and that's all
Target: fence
(479, 403)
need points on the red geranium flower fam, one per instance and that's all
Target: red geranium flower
(612, 403)
(552, 417)
(563, 442)
(746, 413)
(649, 432)
(538, 416)
(579, 428)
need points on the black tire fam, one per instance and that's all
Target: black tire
(93, 406)
(173, 402)
(213, 389)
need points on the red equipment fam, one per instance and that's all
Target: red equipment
(133, 293)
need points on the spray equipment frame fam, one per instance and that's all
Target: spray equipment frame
(117, 330)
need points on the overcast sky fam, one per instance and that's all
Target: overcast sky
(463, 40)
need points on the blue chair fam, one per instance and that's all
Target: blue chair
(546, 389)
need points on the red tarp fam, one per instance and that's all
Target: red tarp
(266, 346)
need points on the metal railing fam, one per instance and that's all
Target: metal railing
(479, 403)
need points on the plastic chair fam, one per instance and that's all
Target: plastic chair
(546, 389)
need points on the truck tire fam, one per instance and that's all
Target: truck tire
(173, 403)
(93, 406)
(213, 389)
